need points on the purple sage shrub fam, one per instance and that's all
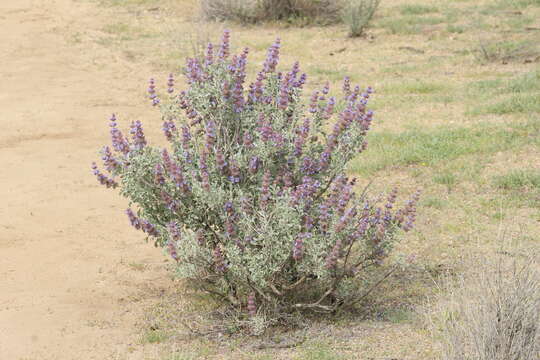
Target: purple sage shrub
(250, 197)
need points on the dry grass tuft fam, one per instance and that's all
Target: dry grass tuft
(492, 313)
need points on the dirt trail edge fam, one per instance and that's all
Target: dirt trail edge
(71, 285)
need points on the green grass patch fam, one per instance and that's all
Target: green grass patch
(447, 179)
(455, 29)
(408, 25)
(319, 351)
(524, 83)
(516, 104)
(518, 180)
(517, 4)
(417, 9)
(154, 336)
(117, 28)
(433, 202)
(327, 73)
(413, 87)
(506, 51)
(430, 147)
(398, 315)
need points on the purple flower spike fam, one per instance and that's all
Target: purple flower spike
(169, 129)
(313, 104)
(265, 189)
(152, 92)
(159, 178)
(229, 208)
(178, 177)
(254, 165)
(171, 246)
(329, 111)
(224, 50)
(167, 162)
(219, 260)
(391, 199)
(119, 143)
(283, 101)
(149, 228)
(210, 131)
(298, 248)
(221, 162)
(326, 89)
(300, 83)
(151, 88)
(209, 57)
(170, 84)
(169, 202)
(186, 137)
(133, 219)
(331, 259)
(103, 179)
(272, 57)
(174, 230)
(110, 162)
(234, 172)
(347, 86)
(137, 135)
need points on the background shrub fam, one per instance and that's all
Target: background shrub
(492, 313)
(357, 14)
(252, 11)
(244, 11)
(250, 198)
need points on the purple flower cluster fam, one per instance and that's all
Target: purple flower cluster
(224, 50)
(103, 179)
(272, 57)
(219, 260)
(119, 143)
(152, 92)
(306, 190)
(170, 83)
(141, 224)
(110, 162)
(298, 246)
(169, 129)
(159, 178)
(137, 135)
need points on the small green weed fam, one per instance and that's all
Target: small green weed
(445, 178)
(455, 29)
(433, 202)
(154, 336)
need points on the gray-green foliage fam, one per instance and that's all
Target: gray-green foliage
(250, 197)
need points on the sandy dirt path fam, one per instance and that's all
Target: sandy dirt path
(68, 285)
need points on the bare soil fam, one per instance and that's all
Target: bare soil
(70, 279)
